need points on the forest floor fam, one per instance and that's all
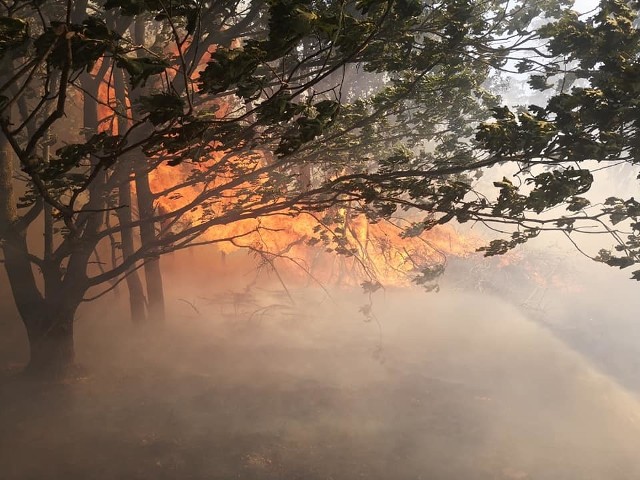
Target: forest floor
(453, 387)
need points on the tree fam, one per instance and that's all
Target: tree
(548, 156)
(257, 109)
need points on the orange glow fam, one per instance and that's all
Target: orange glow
(107, 101)
(304, 245)
(301, 245)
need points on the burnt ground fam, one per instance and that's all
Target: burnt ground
(451, 387)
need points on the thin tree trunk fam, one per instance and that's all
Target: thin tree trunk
(14, 242)
(48, 217)
(152, 271)
(8, 213)
(134, 283)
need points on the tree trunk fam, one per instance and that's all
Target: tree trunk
(152, 272)
(146, 211)
(8, 212)
(155, 290)
(14, 242)
(51, 342)
(134, 283)
(49, 327)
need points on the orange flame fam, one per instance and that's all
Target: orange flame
(303, 244)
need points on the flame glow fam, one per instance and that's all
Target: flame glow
(302, 245)
(305, 244)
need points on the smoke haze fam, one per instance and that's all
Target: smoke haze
(257, 385)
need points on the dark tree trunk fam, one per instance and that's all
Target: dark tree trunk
(155, 290)
(124, 213)
(51, 343)
(134, 284)
(49, 327)
(152, 272)
(48, 318)
(146, 212)
(48, 321)
(8, 211)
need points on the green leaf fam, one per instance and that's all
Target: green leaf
(162, 107)
(228, 68)
(539, 82)
(578, 203)
(620, 262)
(140, 69)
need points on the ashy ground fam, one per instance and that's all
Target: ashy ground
(447, 387)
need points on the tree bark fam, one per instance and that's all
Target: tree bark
(51, 341)
(8, 212)
(13, 241)
(152, 272)
(49, 327)
(146, 210)
(134, 283)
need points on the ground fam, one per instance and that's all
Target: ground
(451, 387)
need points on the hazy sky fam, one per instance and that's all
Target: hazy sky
(585, 5)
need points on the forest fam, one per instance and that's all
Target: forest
(319, 239)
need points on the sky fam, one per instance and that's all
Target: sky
(585, 5)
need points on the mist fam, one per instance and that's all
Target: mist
(260, 383)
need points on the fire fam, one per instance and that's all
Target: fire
(375, 252)
(304, 245)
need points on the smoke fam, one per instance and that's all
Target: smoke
(266, 386)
